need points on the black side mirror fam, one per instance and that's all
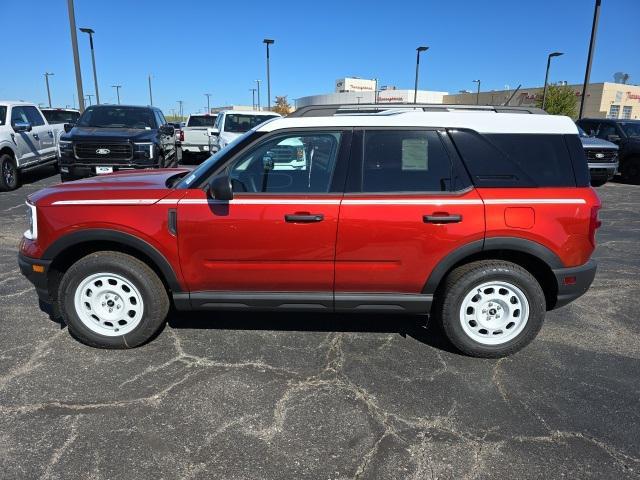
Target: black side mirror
(19, 126)
(220, 188)
(168, 130)
(613, 138)
(67, 127)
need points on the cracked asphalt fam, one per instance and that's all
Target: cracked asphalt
(264, 396)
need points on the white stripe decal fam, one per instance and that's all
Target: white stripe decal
(534, 201)
(246, 201)
(402, 201)
(124, 201)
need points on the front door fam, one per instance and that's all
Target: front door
(277, 236)
(27, 143)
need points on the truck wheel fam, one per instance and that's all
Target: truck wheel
(631, 170)
(9, 175)
(491, 308)
(112, 300)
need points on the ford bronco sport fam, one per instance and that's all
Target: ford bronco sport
(485, 220)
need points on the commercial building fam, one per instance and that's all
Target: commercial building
(603, 100)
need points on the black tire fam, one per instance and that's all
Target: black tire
(461, 281)
(9, 174)
(631, 170)
(155, 301)
(598, 183)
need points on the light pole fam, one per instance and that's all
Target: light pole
(267, 42)
(259, 105)
(89, 95)
(415, 89)
(76, 57)
(546, 77)
(208, 95)
(253, 98)
(375, 91)
(93, 61)
(592, 46)
(477, 92)
(46, 79)
(117, 87)
(150, 94)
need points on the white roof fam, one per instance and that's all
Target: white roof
(251, 112)
(15, 102)
(484, 122)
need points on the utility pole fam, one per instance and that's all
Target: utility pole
(208, 95)
(592, 46)
(150, 94)
(46, 79)
(546, 77)
(253, 98)
(93, 61)
(117, 87)
(180, 102)
(259, 105)
(477, 92)
(267, 42)
(89, 97)
(76, 57)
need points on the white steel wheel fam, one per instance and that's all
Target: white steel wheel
(493, 313)
(108, 304)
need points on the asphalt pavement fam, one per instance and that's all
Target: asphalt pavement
(271, 396)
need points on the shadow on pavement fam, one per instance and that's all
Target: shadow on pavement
(37, 174)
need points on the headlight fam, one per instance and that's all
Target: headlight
(145, 148)
(32, 233)
(64, 145)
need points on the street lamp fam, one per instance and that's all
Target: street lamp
(477, 92)
(592, 47)
(415, 90)
(546, 77)
(267, 42)
(117, 87)
(93, 61)
(253, 98)
(259, 105)
(208, 95)
(150, 93)
(89, 95)
(46, 79)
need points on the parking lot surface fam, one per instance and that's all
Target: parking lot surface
(243, 396)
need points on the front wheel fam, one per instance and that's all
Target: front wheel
(112, 300)
(492, 308)
(9, 175)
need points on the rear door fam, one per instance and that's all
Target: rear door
(408, 205)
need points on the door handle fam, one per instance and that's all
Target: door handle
(35, 135)
(442, 218)
(304, 217)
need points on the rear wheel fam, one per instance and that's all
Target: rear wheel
(9, 175)
(112, 300)
(492, 308)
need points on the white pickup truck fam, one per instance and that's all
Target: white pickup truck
(196, 136)
(27, 141)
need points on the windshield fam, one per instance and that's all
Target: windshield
(3, 115)
(212, 160)
(581, 132)
(61, 116)
(202, 121)
(117, 117)
(631, 129)
(240, 122)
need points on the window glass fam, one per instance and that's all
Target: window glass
(118, 117)
(605, 130)
(302, 163)
(626, 112)
(515, 160)
(34, 116)
(163, 121)
(405, 161)
(201, 121)
(18, 114)
(61, 116)
(631, 129)
(3, 115)
(243, 122)
(614, 111)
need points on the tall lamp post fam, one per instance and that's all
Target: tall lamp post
(117, 87)
(46, 79)
(76, 57)
(150, 93)
(259, 105)
(267, 42)
(253, 98)
(93, 61)
(89, 95)
(546, 77)
(592, 46)
(477, 92)
(208, 95)
(415, 89)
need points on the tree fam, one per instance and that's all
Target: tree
(282, 106)
(561, 100)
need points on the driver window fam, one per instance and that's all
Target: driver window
(288, 164)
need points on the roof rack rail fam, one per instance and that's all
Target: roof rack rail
(373, 108)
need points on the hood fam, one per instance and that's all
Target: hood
(142, 186)
(105, 134)
(595, 142)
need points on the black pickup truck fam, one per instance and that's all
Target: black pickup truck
(108, 138)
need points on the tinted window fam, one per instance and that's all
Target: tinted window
(292, 163)
(118, 117)
(240, 122)
(515, 160)
(405, 161)
(589, 126)
(18, 114)
(3, 115)
(35, 119)
(605, 130)
(60, 116)
(202, 121)
(631, 129)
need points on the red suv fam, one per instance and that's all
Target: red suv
(483, 219)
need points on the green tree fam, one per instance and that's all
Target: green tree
(282, 106)
(561, 100)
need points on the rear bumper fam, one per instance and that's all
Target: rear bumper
(38, 279)
(573, 282)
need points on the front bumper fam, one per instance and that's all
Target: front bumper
(573, 282)
(605, 171)
(38, 279)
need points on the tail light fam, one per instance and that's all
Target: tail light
(181, 136)
(594, 224)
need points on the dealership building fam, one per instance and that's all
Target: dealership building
(603, 100)
(353, 90)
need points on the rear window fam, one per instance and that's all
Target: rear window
(240, 123)
(202, 121)
(3, 115)
(516, 160)
(60, 116)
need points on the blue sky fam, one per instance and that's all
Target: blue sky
(195, 46)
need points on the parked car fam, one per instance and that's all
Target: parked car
(602, 158)
(483, 220)
(61, 115)
(625, 134)
(196, 137)
(109, 138)
(231, 124)
(27, 141)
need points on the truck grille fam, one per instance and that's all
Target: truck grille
(112, 151)
(601, 156)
